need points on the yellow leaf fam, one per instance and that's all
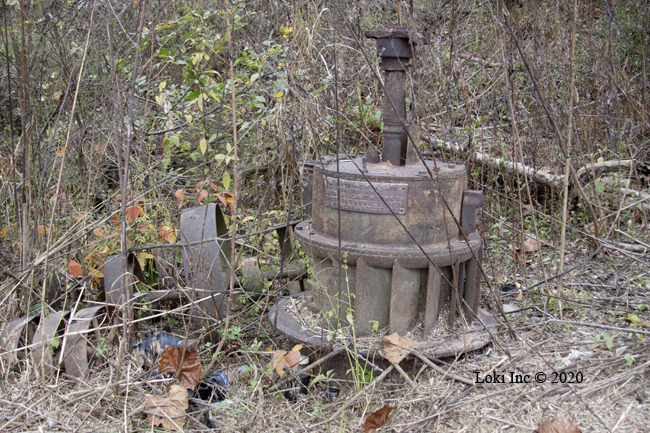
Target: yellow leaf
(189, 118)
(98, 276)
(162, 85)
(203, 146)
(159, 99)
(60, 152)
(297, 347)
(520, 295)
(226, 180)
(280, 94)
(168, 234)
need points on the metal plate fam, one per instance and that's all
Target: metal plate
(43, 347)
(10, 338)
(360, 197)
(75, 357)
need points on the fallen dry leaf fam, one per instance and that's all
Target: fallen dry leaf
(190, 371)
(75, 270)
(377, 419)
(168, 412)
(283, 359)
(396, 347)
(531, 244)
(558, 426)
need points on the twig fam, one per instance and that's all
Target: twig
(445, 373)
(597, 325)
(405, 376)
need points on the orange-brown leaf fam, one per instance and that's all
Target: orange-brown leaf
(40, 229)
(282, 360)
(396, 348)
(132, 213)
(190, 371)
(99, 231)
(180, 196)
(558, 426)
(115, 219)
(377, 419)
(202, 195)
(143, 229)
(75, 270)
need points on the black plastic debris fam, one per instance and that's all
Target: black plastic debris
(212, 388)
(329, 394)
(148, 351)
(299, 386)
(508, 287)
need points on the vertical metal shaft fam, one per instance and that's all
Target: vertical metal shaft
(395, 138)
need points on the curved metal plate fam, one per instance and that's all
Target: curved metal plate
(452, 344)
(74, 343)
(42, 352)
(202, 263)
(116, 295)
(10, 338)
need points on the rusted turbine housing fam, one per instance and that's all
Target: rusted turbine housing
(387, 277)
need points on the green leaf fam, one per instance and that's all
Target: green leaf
(193, 95)
(608, 342)
(163, 52)
(254, 77)
(174, 140)
(226, 181)
(56, 342)
(628, 359)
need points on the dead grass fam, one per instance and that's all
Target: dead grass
(611, 397)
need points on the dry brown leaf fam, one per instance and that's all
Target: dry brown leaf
(558, 426)
(190, 371)
(531, 244)
(168, 412)
(178, 395)
(283, 359)
(377, 419)
(396, 347)
(75, 270)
